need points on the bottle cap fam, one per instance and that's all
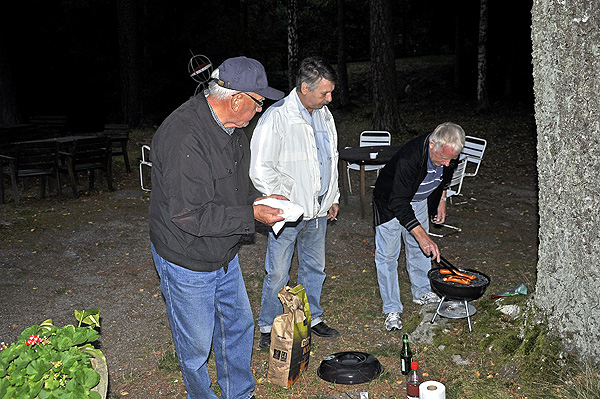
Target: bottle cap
(414, 365)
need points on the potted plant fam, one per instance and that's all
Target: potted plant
(48, 362)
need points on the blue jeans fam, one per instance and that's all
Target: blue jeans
(310, 236)
(388, 240)
(210, 309)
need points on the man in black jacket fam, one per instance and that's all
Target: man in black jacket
(409, 188)
(200, 207)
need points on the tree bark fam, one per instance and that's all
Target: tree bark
(483, 101)
(459, 49)
(566, 61)
(129, 65)
(386, 112)
(9, 112)
(292, 9)
(342, 84)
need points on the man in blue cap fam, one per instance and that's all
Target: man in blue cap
(200, 206)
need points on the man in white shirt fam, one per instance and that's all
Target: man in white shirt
(294, 154)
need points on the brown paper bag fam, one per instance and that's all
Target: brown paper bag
(290, 338)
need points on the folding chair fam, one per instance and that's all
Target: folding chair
(369, 138)
(145, 162)
(473, 153)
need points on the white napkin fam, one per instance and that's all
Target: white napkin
(291, 211)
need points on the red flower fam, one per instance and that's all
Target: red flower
(34, 339)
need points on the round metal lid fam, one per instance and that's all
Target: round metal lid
(349, 368)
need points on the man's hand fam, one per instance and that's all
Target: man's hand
(427, 245)
(333, 211)
(267, 215)
(440, 217)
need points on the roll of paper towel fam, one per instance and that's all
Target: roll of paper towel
(432, 390)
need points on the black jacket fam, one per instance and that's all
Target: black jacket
(399, 180)
(200, 204)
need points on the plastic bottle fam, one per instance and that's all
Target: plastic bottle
(405, 356)
(413, 380)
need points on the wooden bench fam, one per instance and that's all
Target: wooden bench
(119, 137)
(30, 159)
(87, 154)
(50, 125)
(13, 133)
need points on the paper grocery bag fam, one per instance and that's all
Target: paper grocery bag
(290, 338)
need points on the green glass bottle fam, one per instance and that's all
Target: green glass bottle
(405, 355)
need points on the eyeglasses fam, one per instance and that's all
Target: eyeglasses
(259, 103)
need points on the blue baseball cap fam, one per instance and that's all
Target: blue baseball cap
(246, 74)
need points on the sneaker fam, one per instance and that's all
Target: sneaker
(393, 322)
(265, 341)
(430, 297)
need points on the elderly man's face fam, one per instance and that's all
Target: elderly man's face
(246, 106)
(441, 156)
(318, 97)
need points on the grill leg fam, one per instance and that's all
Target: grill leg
(468, 315)
(438, 309)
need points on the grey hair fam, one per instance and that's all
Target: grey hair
(448, 133)
(312, 70)
(218, 92)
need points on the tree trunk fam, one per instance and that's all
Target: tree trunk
(386, 112)
(566, 62)
(9, 112)
(342, 85)
(459, 49)
(483, 101)
(129, 52)
(404, 8)
(292, 8)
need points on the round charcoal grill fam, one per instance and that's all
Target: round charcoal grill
(459, 293)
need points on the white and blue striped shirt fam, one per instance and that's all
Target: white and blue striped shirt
(431, 181)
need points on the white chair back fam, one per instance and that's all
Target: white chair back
(375, 137)
(145, 163)
(473, 153)
(369, 138)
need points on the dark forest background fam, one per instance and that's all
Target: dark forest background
(62, 57)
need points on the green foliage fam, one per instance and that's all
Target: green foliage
(48, 362)
(540, 354)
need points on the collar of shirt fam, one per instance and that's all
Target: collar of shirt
(303, 111)
(228, 130)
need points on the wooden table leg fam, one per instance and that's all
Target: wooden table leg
(344, 171)
(362, 191)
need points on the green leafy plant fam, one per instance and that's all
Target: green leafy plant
(48, 362)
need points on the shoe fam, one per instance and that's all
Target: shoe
(393, 322)
(430, 297)
(323, 330)
(265, 341)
